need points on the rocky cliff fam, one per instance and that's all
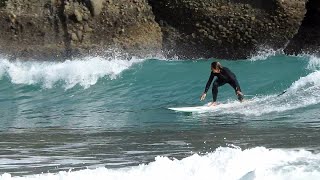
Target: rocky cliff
(307, 40)
(230, 29)
(227, 29)
(45, 29)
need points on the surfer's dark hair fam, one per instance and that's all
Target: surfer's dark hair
(216, 65)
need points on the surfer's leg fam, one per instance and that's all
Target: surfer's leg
(215, 86)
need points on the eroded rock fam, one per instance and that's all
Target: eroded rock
(51, 29)
(227, 29)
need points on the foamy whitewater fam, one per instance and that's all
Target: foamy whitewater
(108, 118)
(84, 72)
(224, 163)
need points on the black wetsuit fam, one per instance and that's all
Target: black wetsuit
(225, 76)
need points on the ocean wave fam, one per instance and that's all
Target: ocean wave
(84, 72)
(224, 163)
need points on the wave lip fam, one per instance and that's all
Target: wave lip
(85, 72)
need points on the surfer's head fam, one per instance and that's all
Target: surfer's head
(216, 67)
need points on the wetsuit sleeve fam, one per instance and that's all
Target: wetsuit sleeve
(233, 79)
(209, 82)
(237, 85)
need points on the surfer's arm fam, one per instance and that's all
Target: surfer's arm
(209, 82)
(233, 79)
(237, 85)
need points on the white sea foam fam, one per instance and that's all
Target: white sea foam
(264, 53)
(84, 72)
(314, 63)
(224, 163)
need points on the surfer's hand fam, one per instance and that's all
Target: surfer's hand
(203, 96)
(240, 96)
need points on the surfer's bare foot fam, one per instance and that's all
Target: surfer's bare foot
(212, 104)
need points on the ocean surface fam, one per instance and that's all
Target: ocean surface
(108, 118)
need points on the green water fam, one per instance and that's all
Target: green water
(113, 113)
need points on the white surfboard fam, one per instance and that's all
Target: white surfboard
(203, 108)
(207, 108)
(193, 109)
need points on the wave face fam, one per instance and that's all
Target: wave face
(108, 118)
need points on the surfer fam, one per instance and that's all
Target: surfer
(224, 75)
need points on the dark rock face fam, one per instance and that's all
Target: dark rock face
(308, 38)
(229, 29)
(226, 29)
(2, 3)
(45, 29)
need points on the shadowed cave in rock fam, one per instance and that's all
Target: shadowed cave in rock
(307, 39)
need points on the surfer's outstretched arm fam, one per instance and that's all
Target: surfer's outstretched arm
(235, 84)
(204, 94)
(209, 82)
(233, 79)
